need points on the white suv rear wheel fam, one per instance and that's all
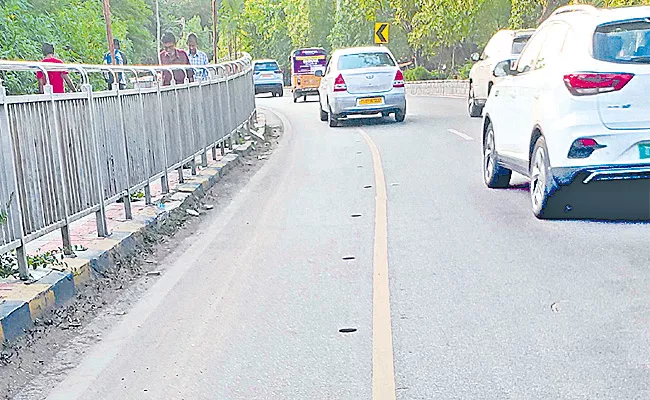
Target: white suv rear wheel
(541, 181)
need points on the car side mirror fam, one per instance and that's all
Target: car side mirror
(475, 57)
(319, 73)
(504, 68)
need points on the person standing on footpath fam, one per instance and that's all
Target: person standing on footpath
(173, 56)
(197, 57)
(120, 59)
(56, 78)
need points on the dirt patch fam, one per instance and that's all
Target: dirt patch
(59, 339)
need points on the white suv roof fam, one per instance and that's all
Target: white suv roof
(600, 15)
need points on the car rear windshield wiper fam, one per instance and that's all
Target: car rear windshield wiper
(640, 59)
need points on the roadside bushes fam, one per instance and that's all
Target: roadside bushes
(422, 74)
(418, 74)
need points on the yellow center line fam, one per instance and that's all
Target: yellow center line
(383, 371)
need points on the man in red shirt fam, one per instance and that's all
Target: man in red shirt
(56, 78)
(173, 56)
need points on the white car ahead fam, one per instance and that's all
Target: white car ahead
(575, 110)
(362, 81)
(504, 45)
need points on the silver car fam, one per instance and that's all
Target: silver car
(361, 81)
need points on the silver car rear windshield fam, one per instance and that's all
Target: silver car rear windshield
(518, 44)
(365, 60)
(266, 66)
(623, 41)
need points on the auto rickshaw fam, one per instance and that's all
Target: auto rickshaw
(304, 64)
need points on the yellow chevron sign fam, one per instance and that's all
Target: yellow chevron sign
(381, 32)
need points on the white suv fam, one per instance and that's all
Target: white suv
(504, 45)
(575, 109)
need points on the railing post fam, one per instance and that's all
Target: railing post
(181, 178)
(230, 126)
(58, 135)
(143, 127)
(8, 172)
(164, 180)
(128, 212)
(203, 126)
(100, 215)
(192, 127)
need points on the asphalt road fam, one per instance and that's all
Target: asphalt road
(486, 302)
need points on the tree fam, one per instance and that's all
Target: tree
(298, 22)
(264, 30)
(351, 26)
(78, 37)
(139, 42)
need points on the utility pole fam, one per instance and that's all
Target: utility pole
(109, 30)
(215, 36)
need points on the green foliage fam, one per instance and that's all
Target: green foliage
(264, 31)
(8, 265)
(418, 74)
(525, 13)
(351, 27)
(297, 21)
(48, 259)
(139, 44)
(4, 210)
(75, 27)
(137, 196)
(463, 72)
(438, 34)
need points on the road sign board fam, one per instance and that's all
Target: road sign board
(381, 32)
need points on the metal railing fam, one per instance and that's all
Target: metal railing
(66, 156)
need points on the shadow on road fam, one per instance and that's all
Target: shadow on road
(313, 100)
(354, 122)
(612, 202)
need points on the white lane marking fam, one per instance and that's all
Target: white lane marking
(460, 134)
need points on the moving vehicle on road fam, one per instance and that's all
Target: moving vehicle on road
(504, 45)
(575, 109)
(305, 63)
(362, 81)
(268, 77)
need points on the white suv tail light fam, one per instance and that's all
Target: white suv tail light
(585, 84)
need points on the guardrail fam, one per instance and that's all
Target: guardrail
(444, 88)
(66, 156)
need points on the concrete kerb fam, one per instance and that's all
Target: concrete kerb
(21, 305)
